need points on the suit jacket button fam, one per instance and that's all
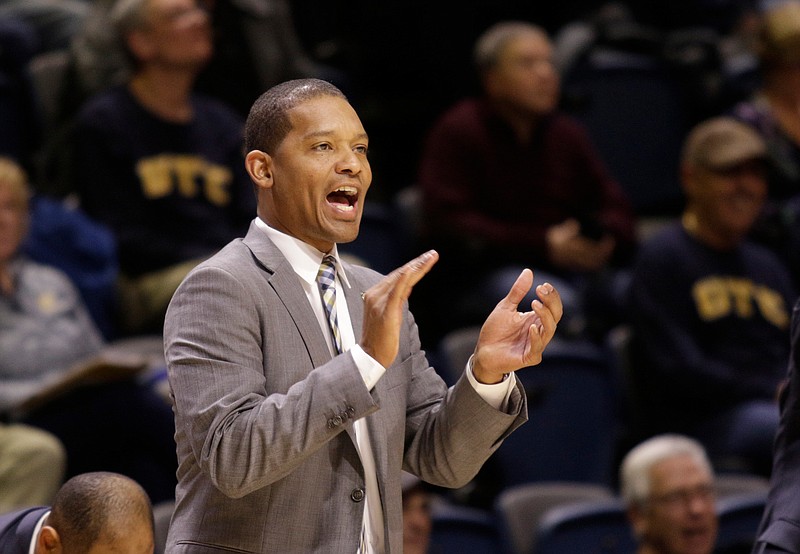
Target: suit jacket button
(351, 411)
(337, 420)
(357, 495)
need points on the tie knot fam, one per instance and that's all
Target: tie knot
(327, 271)
(329, 261)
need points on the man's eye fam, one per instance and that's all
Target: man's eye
(323, 146)
(361, 149)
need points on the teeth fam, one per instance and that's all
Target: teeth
(350, 191)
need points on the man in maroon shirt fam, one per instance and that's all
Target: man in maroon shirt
(508, 181)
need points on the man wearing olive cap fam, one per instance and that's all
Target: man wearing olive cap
(711, 309)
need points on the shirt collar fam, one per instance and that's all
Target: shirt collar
(304, 258)
(36, 531)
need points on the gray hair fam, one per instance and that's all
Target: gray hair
(491, 43)
(636, 466)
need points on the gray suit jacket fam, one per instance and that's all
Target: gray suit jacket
(780, 526)
(266, 452)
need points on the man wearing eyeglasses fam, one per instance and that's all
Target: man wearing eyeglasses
(667, 484)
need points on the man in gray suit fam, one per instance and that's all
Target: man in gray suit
(779, 531)
(284, 444)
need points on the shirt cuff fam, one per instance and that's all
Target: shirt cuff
(496, 395)
(371, 371)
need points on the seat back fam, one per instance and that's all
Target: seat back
(598, 527)
(519, 509)
(162, 514)
(454, 351)
(635, 114)
(737, 484)
(572, 427)
(739, 519)
(49, 74)
(463, 530)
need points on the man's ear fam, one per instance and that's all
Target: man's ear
(139, 45)
(48, 541)
(638, 521)
(259, 167)
(689, 176)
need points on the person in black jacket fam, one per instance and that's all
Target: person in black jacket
(92, 512)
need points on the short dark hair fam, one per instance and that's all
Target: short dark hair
(268, 122)
(94, 504)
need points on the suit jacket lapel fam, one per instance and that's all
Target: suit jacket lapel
(285, 282)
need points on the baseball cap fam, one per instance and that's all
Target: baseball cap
(723, 142)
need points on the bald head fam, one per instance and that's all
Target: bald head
(102, 508)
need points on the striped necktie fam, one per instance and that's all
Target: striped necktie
(326, 279)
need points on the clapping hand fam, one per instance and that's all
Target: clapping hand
(383, 308)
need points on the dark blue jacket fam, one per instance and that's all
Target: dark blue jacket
(16, 529)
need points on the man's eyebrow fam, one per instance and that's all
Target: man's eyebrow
(324, 133)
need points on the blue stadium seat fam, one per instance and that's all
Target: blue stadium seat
(573, 420)
(739, 519)
(463, 530)
(635, 113)
(598, 527)
(520, 508)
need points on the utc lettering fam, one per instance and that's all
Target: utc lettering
(716, 297)
(184, 173)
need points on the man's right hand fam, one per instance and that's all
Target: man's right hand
(383, 308)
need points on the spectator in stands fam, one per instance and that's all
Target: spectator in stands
(417, 522)
(773, 112)
(508, 181)
(161, 165)
(92, 512)
(255, 45)
(32, 464)
(710, 309)
(58, 374)
(667, 483)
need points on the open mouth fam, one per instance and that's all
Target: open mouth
(343, 198)
(697, 534)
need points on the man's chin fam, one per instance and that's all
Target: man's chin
(346, 232)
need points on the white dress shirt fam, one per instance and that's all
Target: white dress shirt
(305, 260)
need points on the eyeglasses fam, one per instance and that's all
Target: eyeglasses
(684, 497)
(751, 167)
